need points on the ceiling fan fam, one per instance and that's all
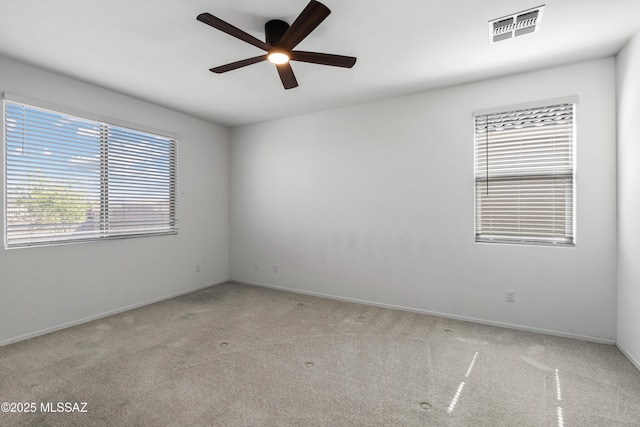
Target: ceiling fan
(280, 41)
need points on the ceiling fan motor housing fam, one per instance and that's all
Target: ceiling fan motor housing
(274, 30)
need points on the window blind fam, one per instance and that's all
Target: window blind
(73, 179)
(524, 175)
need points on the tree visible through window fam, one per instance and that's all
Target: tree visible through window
(524, 174)
(73, 179)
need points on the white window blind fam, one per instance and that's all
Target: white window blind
(524, 175)
(73, 179)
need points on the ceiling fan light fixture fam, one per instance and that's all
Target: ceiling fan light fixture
(278, 57)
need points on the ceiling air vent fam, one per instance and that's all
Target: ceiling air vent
(518, 24)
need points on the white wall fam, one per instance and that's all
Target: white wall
(628, 78)
(344, 202)
(375, 202)
(47, 287)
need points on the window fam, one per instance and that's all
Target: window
(71, 179)
(524, 175)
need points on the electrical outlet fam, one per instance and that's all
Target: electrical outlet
(275, 268)
(510, 296)
(256, 265)
(197, 268)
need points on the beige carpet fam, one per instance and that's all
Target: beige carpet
(236, 355)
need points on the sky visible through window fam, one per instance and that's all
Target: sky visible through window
(43, 143)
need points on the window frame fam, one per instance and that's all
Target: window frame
(106, 123)
(530, 240)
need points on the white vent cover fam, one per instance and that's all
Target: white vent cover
(518, 24)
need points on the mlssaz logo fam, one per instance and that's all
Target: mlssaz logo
(63, 407)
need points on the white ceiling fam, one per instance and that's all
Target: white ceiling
(156, 50)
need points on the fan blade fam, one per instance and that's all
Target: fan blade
(305, 23)
(323, 59)
(286, 75)
(238, 64)
(225, 27)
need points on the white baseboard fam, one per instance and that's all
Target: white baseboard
(101, 315)
(563, 334)
(628, 355)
